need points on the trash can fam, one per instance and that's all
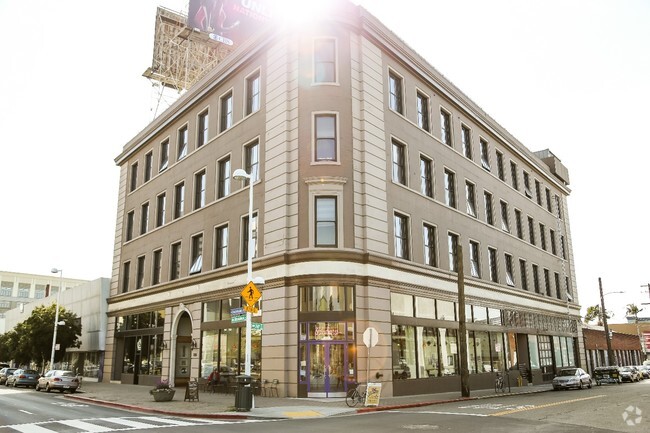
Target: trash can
(244, 394)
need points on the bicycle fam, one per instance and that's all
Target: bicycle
(356, 396)
(498, 383)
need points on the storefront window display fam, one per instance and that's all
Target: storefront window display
(326, 298)
(471, 352)
(483, 357)
(143, 355)
(403, 352)
(428, 355)
(449, 351)
(533, 351)
(497, 351)
(445, 310)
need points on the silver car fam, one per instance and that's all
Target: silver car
(61, 380)
(572, 378)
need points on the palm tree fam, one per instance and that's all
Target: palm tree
(633, 311)
(594, 313)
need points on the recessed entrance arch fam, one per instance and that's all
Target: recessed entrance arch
(181, 353)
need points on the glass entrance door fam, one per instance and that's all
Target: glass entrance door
(326, 369)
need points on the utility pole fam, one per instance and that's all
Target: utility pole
(648, 286)
(610, 354)
(462, 326)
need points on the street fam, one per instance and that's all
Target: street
(607, 408)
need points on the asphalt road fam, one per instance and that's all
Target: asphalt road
(612, 408)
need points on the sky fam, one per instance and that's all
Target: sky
(568, 75)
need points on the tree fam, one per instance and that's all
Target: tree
(31, 340)
(594, 313)
(633, 311)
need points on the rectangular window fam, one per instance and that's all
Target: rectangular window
(510, 279)
(452, 245)
(326, 224)
(519, 224)
(474, 259)
(244, 235)
(500, 173)
(196, 254)
(182, 143)
(551, 235)
(426, 176)
(489, 212)
(202, 133)
(399, 163)
(430, 250)
(179, 200)
(542, 236)
(466, 139)
(513, 175)
(485, 155)
(130, 222)
(505, 223)
(395, 93)
(148, 166)
(139, 281)
(547, 282)
(423, 111)
(527, 189)
(536, 278)
(175, 264)
(558, 206)
(325, 61)
(538, 192)
(253, 93)
(199, 190)
(492, 264)
(531, 231)
(445, 127)
(126, 276)
(221, 246)
(549, 204)
(402, 238)
(470, 196)
(226, 105)
(224, 178)
(558, 291)
(252, 161)
(164, 156)
(134, 176)
(450, 188)
(156, 276)
(523, 273)
(325, 137)
(562, 247)
(144, 218)
(161, 203)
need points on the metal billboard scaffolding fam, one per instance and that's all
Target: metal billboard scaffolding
(181, 55)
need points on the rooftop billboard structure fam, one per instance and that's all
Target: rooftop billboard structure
(186, 48)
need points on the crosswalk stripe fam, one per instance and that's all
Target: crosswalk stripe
(171, 421)
(85, 426)
(127, 422)
(30, 428)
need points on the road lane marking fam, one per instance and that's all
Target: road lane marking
(24, 411)
(542, 406)
(86, 427)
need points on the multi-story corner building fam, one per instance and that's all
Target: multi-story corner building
(17, 289)
(369, 169)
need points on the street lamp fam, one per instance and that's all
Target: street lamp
(241, 174)
(56, 316)
(610, 353)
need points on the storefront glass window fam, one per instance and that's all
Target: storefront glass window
(483, 357)
(494, 315)
(401, 305)
(445, 310)
(326, 298)
(480, 315)
(227, 305)
(448, 351)
(425, 308)
(211, 311)
(497, 351)
(571, 351)
(428, 356)
(533, 351)
(209, 352)
(560, 361)
(511, 344)
(471, 352)
(563, 349)
(403, 352)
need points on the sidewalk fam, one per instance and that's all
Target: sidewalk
(137, 398)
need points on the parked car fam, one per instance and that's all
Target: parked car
(608, 374)
(23, 377)
(571, 378)
(644, 370)
(61, 380)
(4, 373)
(629, 374)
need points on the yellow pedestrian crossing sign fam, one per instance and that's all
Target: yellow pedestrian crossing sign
(251, 294)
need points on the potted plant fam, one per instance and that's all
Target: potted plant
(162, 391)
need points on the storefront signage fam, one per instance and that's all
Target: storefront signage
(373, 393)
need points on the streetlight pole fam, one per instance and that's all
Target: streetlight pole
(56, 316)
(240, 174)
